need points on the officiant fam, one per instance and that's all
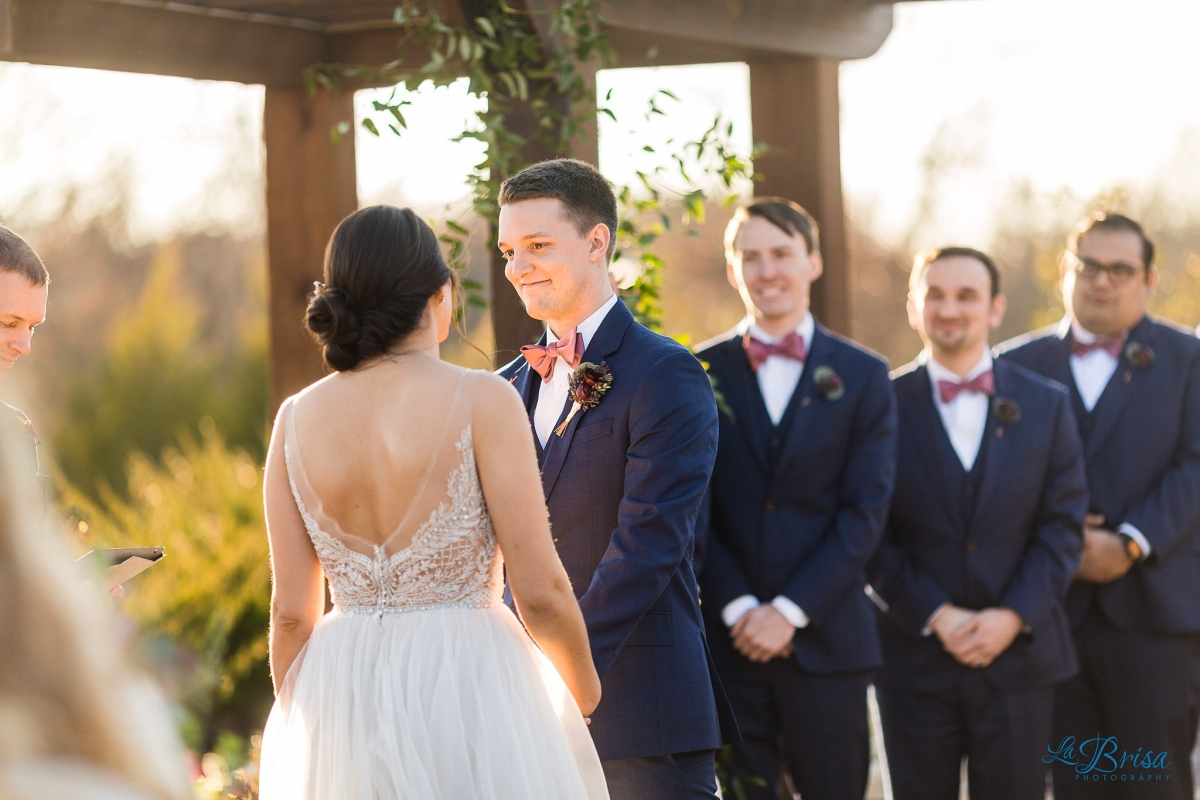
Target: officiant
(24, 287)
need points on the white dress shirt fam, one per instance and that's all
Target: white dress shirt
(1092, 372)
(966, 415)
(552, 395)
(778, 378)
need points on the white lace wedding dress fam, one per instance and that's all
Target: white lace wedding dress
(420, 684)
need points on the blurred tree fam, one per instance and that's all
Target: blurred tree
(161, 373)
(202, 613)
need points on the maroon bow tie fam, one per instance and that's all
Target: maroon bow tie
(757, 351)
(984, 383)
(1111, 345)
(543, 357)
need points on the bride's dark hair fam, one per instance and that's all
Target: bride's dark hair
(382, 265)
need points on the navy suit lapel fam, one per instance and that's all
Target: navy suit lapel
(527, 382)
(929, 428)
(738, 384)
(606, 342)
(820, 352)
(1120, 389)
(1058, 368)
(997, 445)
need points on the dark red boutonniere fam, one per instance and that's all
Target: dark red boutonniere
(828, 383)
(1006, 410)
(587, 385)
(1139, 355)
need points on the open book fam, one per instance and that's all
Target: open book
(115, 565)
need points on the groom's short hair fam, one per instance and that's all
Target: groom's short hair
(789, 217)
(586, 195)
(17, 256)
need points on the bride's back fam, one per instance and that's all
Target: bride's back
(376, 446)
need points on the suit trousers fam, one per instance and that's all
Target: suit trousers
(811, 726)
(675, 776)
(1003, 735)
(1143, 689)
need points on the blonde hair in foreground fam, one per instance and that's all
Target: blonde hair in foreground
(65, 691)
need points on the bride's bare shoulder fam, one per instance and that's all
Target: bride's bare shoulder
(497, 402)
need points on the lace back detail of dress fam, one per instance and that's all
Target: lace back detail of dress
(452, 560)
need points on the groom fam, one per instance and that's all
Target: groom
(624, 474)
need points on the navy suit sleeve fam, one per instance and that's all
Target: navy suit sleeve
(911, 593)
(836, 565)
(1170, 513)
(672, 447)
(1050, 561)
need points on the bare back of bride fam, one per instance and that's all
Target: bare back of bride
(411, 485)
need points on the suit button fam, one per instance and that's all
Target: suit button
(769, 505)
(971, 546)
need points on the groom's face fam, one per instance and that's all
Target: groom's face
(550, 263)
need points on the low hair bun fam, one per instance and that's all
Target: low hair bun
(335, 325)
(382, 266)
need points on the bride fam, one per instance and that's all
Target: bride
(411, 485)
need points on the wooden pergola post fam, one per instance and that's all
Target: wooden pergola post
(794, 108)
(311, 187)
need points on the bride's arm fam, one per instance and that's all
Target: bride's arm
(512, 488)
(297, 583)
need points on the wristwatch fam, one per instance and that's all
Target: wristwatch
(1132, 548)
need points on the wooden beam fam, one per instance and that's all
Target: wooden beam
(311, 187)
(705, 31)
(6, 39)
(158, 40)
(794, 108)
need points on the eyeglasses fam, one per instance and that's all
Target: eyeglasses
(1119, 273)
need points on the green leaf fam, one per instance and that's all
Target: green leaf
(486, 26)
(464, 47)
(457, 228)
(509, 84)
(369, 124)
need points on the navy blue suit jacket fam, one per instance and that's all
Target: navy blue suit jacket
(806, 529)
(624, 484)
(1142, 443)
(1018, 549)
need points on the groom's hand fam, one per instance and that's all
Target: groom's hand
(762, 634)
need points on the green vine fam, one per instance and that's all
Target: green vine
(529, 63)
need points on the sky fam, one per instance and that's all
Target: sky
(1078, 95)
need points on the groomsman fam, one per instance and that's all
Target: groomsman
(798, 500)
(1135, 603)
(982, 539)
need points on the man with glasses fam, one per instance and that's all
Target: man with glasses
(1135, 602)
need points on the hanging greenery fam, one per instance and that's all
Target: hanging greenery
(541, 63)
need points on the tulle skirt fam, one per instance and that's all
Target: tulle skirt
(439, 704)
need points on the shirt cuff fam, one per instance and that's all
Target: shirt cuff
(928, 629)
(736, 609)
(790, 611)
(1137, 536)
